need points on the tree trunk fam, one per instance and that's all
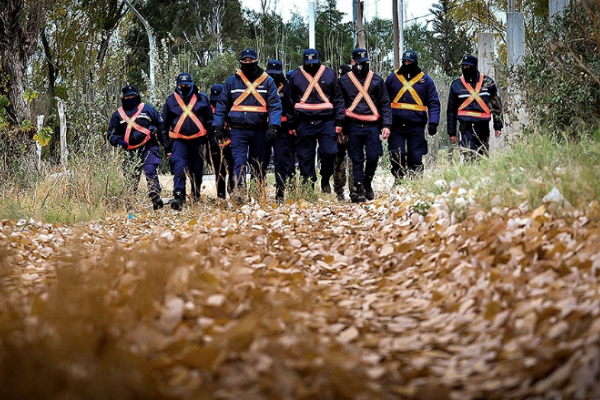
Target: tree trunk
(19, 28)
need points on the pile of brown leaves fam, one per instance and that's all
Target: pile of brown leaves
(383, 300)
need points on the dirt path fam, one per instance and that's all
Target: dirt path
(313, 301)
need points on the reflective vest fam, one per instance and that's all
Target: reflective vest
(131, 124)
(363, 93)
(187, 112)
(250, 89)
(408, 86)
(313, 83)
(474, 97)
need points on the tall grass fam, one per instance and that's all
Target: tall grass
(527, 171)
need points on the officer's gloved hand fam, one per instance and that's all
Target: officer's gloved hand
(432, 129)
(221, 135)
(123, 144)
(272, 134)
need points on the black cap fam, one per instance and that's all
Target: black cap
(410, 55)
(274, 67)
(248, 53)
(360, 55)
(310, 56)
(184, 78)
(469, 60)
(129, 90)
(215, 91)
(344, 69)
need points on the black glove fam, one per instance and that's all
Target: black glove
(123, 144)
(432, 129)
(221, 135)
(272, 134)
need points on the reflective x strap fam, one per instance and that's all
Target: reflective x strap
(251, 89)
(313, 83)
(187, 112)
(408, 86)
(363, 93)
(474, 95)
(131, 124)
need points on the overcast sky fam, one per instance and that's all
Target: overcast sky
(372, 8)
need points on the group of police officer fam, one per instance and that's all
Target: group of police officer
(309, 109)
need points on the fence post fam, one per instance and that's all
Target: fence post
(38, 146)
(64, 152)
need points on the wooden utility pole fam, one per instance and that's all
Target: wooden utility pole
(396, 34)
(358, 23)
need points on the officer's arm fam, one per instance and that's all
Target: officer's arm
(433, 102)
(274, 106)
(113, 130)
(384, 106)
(338, 103)
(163, 132)
(496, 106)
(451, 113)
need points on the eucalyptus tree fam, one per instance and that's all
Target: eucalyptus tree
(333, 37)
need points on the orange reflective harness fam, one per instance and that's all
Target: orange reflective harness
(408, 86)
(131, 124)
(251, 89)
(362, 94)
(187, 112)
(283, 117)
(313, 83)
(474, 96)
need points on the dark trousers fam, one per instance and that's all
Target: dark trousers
(309, 134)
(407, 146)
(222, 165)
(187, 158)
(364, 148)
(248, 147)
(342, 163)
(284, 158)
(145, 158)
(475, 137)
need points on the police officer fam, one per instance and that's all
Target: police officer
(187, 119)
(316, 115)
(220, 154)
(473, 101)
(252, 107)
(341, 160)
(368, 114)
(134, 127)
(284, 148)
(415, 101)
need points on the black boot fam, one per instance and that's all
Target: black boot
(178, 200)
(157, 202)
(325, 186)
(360, 193)
(369, 194)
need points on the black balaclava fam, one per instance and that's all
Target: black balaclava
(312, 69)
(251, 70)
(361, 69)
(411, 70)
(278, 78)
(470, 74)
(185, 92)
(130, 104)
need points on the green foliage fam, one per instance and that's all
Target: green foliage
(561, 72)
(448, 40)
(522, 175)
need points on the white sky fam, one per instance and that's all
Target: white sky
(372, 8)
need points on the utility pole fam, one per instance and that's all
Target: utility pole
(396, 34)
(311, 24)
(358, 23)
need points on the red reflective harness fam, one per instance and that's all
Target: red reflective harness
(251, 89)
(187, 112)
(313, 83)
(131, 124)
(408, 86)
(474, 96)
(363, 93)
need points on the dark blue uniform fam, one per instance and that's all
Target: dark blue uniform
(315, 120)
(186, 141)
(248, 128)
(474, 120)
(407, 144)
(220, 155)
(147, 156)
(284, 150)
(364, 144)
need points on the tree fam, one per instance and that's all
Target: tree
(20, 22)
(449, 40)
